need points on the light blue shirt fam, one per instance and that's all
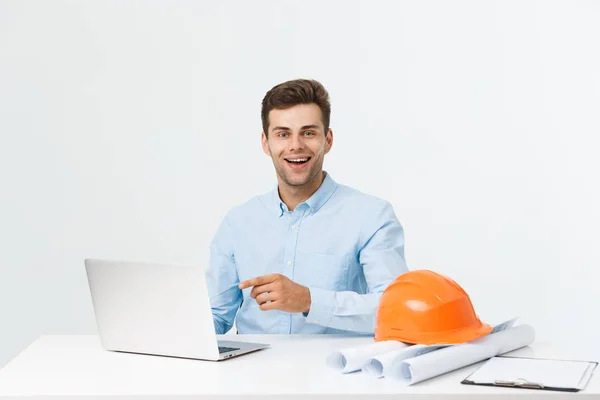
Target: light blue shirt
(344, 245)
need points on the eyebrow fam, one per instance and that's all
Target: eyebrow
(285, 128)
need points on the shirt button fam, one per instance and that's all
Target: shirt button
(312, 210)
(293, 227)
(289, 263)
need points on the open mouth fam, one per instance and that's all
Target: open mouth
(297, 162)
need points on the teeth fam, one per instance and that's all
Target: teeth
(297, 159)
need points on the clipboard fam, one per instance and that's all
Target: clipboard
(533, 373)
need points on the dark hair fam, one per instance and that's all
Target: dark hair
(291, 93)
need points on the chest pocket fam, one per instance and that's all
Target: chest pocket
(325, 271)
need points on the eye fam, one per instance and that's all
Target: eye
(282, 134)
(309, 133)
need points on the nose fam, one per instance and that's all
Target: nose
(296, 143)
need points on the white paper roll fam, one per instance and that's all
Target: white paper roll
(379, 366)
(354, 358)
(420, 368)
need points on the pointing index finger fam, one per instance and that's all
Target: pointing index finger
(259, 280)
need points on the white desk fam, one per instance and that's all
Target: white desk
(76, 367)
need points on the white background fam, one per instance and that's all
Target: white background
(129, 128)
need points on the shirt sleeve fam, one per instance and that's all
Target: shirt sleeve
(222, 279)
(382, 260)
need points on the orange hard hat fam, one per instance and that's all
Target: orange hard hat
(424, 307)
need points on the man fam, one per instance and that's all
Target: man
(311, 256)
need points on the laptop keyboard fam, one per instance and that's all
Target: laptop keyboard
(223, 349)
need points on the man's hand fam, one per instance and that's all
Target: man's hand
(282, 293)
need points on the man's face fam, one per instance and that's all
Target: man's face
(297, 143)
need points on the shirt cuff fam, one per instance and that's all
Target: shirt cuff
(321, 306)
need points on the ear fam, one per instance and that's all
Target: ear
(265, 144)
(328, 140)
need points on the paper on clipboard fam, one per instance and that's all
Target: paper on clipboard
(533, 373)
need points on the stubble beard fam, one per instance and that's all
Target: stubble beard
(288, 180)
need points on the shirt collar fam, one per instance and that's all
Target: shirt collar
(315, 202)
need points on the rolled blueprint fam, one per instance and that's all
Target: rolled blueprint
(380, 365)
(420, 368)
(354, 358)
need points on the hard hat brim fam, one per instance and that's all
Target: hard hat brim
(468, 334)
(449, 337)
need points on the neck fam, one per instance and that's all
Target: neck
(294, 195)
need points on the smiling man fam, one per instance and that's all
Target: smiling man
(312, 255)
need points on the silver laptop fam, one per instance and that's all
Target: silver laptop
(157, 309)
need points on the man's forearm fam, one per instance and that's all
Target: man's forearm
(346, 310)
(220, 325)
